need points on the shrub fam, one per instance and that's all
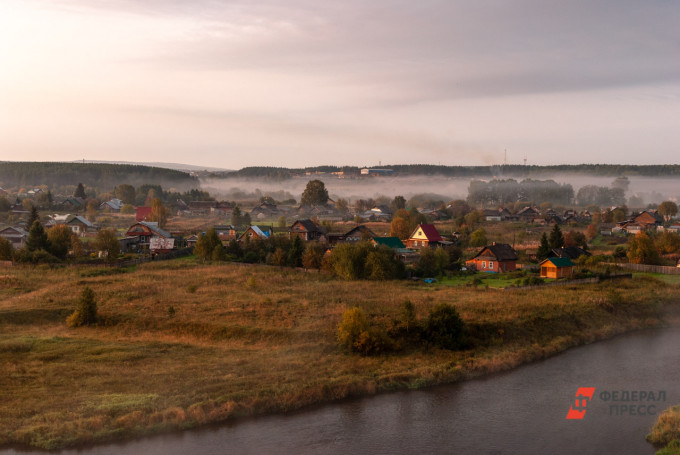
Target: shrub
(356, 334)
(445, 328)
(86, 312)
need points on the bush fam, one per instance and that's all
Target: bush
(356, 334)
(86, 312)
(445, 328)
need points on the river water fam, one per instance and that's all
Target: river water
(519, 412)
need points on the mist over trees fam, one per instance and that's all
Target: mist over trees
(504, 192)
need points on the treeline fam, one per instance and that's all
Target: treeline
(502, 192)
(93, 175)
(507, 170)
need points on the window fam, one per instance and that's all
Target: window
(491, 264)
(483, 264)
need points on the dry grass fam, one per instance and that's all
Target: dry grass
(244, 340)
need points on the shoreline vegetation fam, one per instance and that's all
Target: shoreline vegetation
(180, 344)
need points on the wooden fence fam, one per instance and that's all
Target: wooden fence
(651, 268)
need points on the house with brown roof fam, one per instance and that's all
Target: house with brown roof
(494, 258)
(306, 230)
(424, 235)
(256, 232)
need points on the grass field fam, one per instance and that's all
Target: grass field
(180, 344)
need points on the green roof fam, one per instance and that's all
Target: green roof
(560, 262)
(392, 242)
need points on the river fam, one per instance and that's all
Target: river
(518, 412)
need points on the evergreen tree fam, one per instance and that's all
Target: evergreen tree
(6, 249)
(544, 248)
(80, 191)
(556, 239)
(37, 238)
(295, 253)
(32, 217)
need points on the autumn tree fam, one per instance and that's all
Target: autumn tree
(107, 241)
(59, 238)
(641, 249)
(478, 238)
(86, 311)
(315, 193)
(92, 210)
(206, 244)
(312, 258)
(668, 209)
(125, 193)
(399, 227)
(159, 213)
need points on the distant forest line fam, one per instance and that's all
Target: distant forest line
(510, 170)
(92, 175)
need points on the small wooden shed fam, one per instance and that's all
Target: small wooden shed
(557, 268)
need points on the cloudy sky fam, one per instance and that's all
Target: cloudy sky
(306, 82)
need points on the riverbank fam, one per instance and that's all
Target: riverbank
(182, 344)
(666, 432)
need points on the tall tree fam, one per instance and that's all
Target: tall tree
(159, 213)
(399, 202)
(668, 209)
(206, 244)
(126, 193)
(107, 242)
(556, 238)
(544, 248)
(37, 238)
(33, 217)
(641, 249)
(60, 240)
(315, 193)
(80, 191)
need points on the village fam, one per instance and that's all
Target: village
(526, 243)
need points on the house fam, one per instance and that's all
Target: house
(493, 215)
(256, 232)
(424, 235)
(226, 232)
(222, 209)
(264, 210)
(306, 230)
(647, 220)
(557, 268)
(145, 231)
(114, 205)
(528, 214)
(378, 213)
(15, 235)
(571, 252)
(74, 203)
(358, 234)
(79, 225)
(494, 258)
(201, 208)
(161, 245)
(142, 214)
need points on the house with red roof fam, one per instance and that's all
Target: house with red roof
(142, 214)
(424, 235)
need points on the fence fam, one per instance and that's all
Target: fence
(572, 282)
(651, 268)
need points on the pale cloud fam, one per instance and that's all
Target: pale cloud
(302, 82)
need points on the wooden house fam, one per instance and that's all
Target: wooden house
(358, 234)
(494, 258)
(78, 224)
(557, 268)
(256, 233)
(306, 230)
(145, 231)
(15, 235)
(424, 235)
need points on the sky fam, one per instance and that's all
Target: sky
(309, 82)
